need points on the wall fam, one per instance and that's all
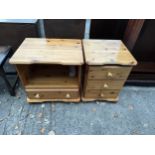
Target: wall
(14, 33)
(144, 49)
(108, 28)
(64, 28)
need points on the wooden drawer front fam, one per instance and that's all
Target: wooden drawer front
(52, 94)
(104, 84)
(101, 94)
(110, 72)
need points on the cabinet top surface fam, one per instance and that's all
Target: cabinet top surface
(49, 51)
(103, 52)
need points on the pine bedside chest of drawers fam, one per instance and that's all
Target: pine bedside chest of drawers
(50, 69)
(108, 64)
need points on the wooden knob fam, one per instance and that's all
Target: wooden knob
(102, 95)
(110, 74)
(37, 96)
(105, 85)
(68, 95)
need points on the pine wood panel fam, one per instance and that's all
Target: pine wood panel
(23, 73)
(105, 84)
(51, 76)
(108, 72)
(49, 51)
(104, 52)
(56, 82)
(114, 100)
(101, 94)
(52, 100)
(52, 94)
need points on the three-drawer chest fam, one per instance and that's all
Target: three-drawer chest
(108, 64)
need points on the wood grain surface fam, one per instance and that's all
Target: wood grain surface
(104, 52)
(49, 51)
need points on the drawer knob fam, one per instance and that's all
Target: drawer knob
(102, 95)
(68, 95)
(110, 74)
(105, 85)
(37, 96)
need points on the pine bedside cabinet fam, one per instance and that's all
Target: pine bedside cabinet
(108, 64)
(50, 69)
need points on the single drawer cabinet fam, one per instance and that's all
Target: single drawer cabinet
(50, 69)
(108, 64)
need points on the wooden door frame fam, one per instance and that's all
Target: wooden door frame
(130, 38)
(132, 32)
